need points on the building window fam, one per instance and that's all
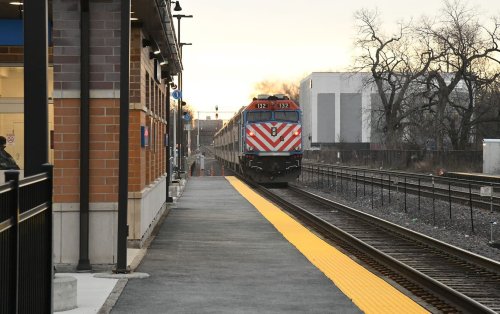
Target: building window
(12, 110)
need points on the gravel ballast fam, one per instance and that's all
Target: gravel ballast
(435, 223)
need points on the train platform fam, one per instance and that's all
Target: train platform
(224, 249)
(482, 177)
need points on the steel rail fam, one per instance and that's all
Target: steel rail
(449, 295)
(403, 173)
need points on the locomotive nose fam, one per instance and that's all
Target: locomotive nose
(275, 166)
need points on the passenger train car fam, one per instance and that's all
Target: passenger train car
(263, 140)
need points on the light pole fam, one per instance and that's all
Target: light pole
(179, 104)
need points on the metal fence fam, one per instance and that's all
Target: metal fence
(26, 243)
(409, 190)
(420, 160)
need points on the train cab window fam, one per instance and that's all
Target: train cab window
(256, 116)
(292, 116)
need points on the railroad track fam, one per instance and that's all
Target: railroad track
(448, 278)
(459, 193)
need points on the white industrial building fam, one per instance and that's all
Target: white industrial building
(336, 109)
(491, 156)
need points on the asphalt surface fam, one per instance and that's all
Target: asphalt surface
(215, 253)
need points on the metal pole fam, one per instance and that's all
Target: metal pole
(418, 193)
(121, 262)
(356, 174)
(317, 178)
(168, 198)
(433, 204)
(336, 184)
(333, 183)
(83, 261)
(405, 193)
(389, 189)
(347, 180)
(491, 199)
(396, 183)
(491, 231)
(470, 204)
(320, 180)
(179, 104)
(341, 182)
(449, 196)
(179, 101)
(382, 188)
(364, 183)
(36, 118)
(12, 175)
(49, 271)
(328, 176)
(372, 191)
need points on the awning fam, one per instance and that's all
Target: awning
(155, 17)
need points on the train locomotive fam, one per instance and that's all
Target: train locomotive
(263, 141)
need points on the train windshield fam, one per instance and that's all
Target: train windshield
(291, 116)
(256, 116)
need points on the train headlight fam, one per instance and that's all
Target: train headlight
(250, 148)
(251, 134)
(297, 148)
(296, 133)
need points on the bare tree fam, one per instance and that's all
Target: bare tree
(467, 65)
(395, 62)
(291, 89)
(487, 113)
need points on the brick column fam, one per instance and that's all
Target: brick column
(104, 131)
(146, 172)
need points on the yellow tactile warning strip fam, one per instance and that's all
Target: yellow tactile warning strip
(369, 292)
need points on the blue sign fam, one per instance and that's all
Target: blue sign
(176, 94)
(11, 32)
(186, 117)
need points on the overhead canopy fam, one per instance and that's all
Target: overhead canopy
(155, 17)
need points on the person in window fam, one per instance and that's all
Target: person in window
(6, 160)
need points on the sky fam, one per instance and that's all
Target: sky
(239, 43)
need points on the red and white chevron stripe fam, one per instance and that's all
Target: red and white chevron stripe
(260, 136)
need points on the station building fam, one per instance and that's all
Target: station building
(84, 75)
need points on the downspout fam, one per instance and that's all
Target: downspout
(83, 262)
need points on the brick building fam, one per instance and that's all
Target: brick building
(84, 74)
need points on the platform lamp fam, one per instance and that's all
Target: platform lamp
(177, 6)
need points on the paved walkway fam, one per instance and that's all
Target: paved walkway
(215, 253)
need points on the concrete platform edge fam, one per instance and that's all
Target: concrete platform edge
(113, 297)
